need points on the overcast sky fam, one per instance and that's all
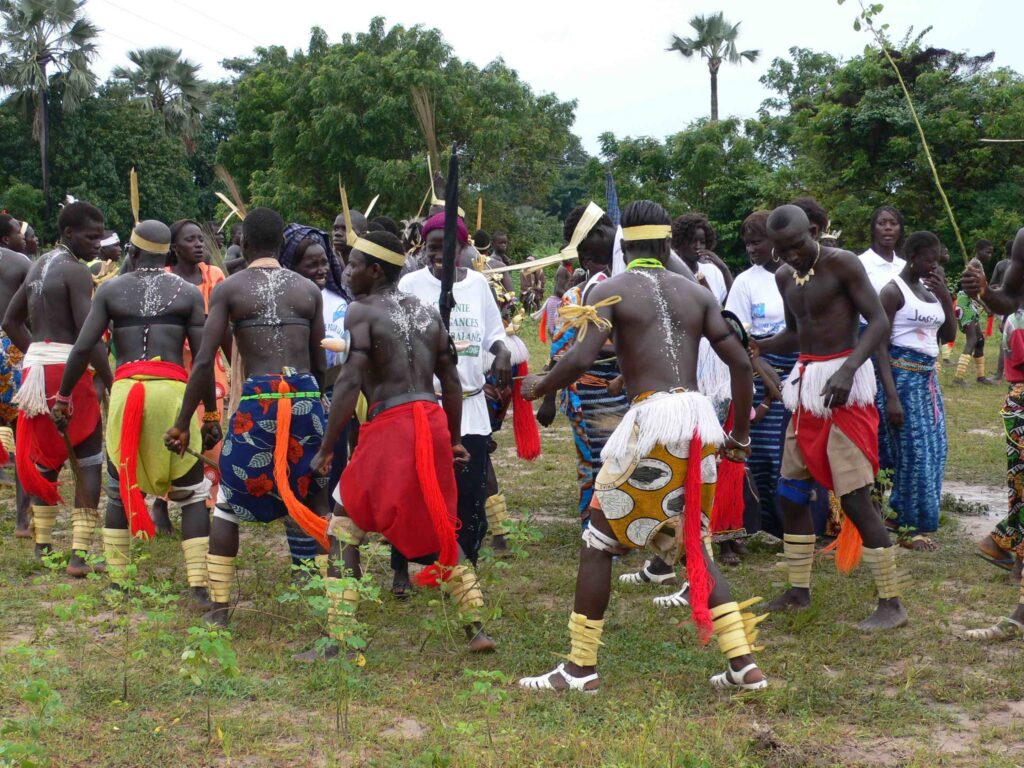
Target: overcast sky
(609, 56)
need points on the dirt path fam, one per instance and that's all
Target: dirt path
(977, 526)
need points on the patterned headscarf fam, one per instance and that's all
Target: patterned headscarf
(295, 235)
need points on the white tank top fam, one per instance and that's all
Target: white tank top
(917, 322)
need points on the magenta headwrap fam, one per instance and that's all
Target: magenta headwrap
(437, 222)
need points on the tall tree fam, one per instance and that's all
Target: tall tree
(715, 40)
(44, 39)
(169, 85)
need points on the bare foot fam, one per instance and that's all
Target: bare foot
(793, 599)
(727, 555)
(479, 641)
(199, 598)
(42, 550)
(22, 532)
(919, 543)
(328, 651)
(79, 569)
(401, 587)
(218, 615)
(889, 614)
(498, 543)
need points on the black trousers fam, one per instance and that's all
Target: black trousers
(472, 488)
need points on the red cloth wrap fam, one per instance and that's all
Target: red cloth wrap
(40, 443)
(524, 424)
(728, 510)
(860, 424)
(693, 540)
(135, 509)
(409, 496)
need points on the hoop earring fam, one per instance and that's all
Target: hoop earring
(775, 259)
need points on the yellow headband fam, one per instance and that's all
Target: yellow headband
(647, 232)
(370, 248)
(24, 227)
(590, 217)
(148, 245)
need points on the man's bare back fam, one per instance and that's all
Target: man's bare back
(658, 326)
(404, 338)
(276, 317)
(14, 267)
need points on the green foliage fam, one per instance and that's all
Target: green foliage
(345, 109)
(24, 202)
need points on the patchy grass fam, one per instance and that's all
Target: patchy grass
(917, 697)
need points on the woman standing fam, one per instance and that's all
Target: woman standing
(308, 252)
(921, 315)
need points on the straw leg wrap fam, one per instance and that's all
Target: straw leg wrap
(321, 565)
(979, 366)
(345, 530)
(889, 580)
(221, 574)
(1021, 598)
(196, 551)
(83, 528)
(341, 608)
(730, 630)
(750, 622)
(464, 588)
(497, 514)
(43, 519)
(116, 544)
(798, 549)
(961, 367)
(584, 637)
(7, 439)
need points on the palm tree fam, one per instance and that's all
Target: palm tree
(170, 85)
(715, 41)
(40, 39)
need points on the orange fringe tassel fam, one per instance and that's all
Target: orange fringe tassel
(309, 521)
(542, 329)
(433, 499)
(848, 547)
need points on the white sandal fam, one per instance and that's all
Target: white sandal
(1004, 629)
(645, 576)
(729, 680)
(675, 600)
(543, 682)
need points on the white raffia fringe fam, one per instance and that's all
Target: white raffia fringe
(713, 377)
(31, 396)
(664, 418)
(520, 354)
(804, 386)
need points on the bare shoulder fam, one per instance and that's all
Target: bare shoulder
(14, 265)
(845, 261)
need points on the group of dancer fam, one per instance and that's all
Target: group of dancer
(353, 408)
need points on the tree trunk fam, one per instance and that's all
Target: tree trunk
(714, 94)
(44, 149)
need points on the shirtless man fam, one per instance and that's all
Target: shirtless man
(153, 313)
(276, 317)
(234, 261)
(1003, 300)
(14, 265)
(398, 345)
(657, 318)
(833, 435)
(54, 301)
